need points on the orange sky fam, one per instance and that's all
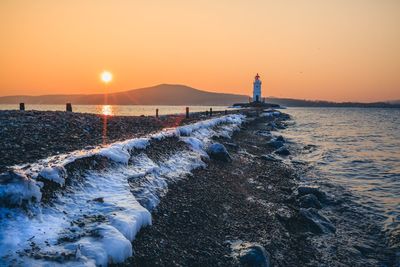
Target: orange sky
(310, 49)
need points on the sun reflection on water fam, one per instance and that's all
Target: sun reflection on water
(107, 110)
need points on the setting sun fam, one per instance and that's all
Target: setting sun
(106, 76)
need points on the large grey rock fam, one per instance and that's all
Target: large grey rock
(275, 144)
(218, 151)
(312, 221)
(255, 256)
(310, 201)
(307, 190)
(282, 151)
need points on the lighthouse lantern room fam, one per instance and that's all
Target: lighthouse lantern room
(257, 89)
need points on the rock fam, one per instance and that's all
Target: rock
(255, 256)
(280, 138)
(309, 147)
(271, 126)
(310, 201)
(218, 151)
(307, 190)
(311, 220)
(276, 144)
(283, 151)
(99, 199)
(280, 126)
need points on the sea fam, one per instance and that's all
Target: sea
(117, 110)
(356, 148)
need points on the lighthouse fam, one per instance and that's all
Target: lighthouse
(257, 89)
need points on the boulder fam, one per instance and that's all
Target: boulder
(218, 151)
(255, 256)
(314, 190)
(280, 138)
(310, 201)
(310, 220)
(282, 151)
(275, 144)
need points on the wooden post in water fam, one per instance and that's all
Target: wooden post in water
(156, 112)
(210, 112)
(187, 112)
(68, 107)
(207, 113)
(226, 112)
(22, 106)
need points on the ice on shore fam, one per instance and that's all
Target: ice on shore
(17, 188)
(56, 174)
(93, 219)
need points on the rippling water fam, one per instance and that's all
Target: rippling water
(119, 110)
(356, 148)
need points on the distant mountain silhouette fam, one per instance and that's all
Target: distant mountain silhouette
(176, 94)
(163, 94)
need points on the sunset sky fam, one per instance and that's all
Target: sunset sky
(309, 49)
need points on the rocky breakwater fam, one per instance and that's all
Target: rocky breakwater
(249, 207)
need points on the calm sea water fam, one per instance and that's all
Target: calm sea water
(356, 148)
(119, 110)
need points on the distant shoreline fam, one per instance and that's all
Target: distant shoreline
(178, 95)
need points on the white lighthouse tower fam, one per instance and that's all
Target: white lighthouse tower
(257, 89)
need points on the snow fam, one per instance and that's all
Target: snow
(15, 188)
(270, 113)
(56, 174)
(97, 217)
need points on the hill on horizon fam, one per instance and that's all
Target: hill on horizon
(162, 94)
(177, 94)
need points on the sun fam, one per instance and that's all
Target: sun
(106, 76)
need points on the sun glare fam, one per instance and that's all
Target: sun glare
(106, 76)
(107, 110)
